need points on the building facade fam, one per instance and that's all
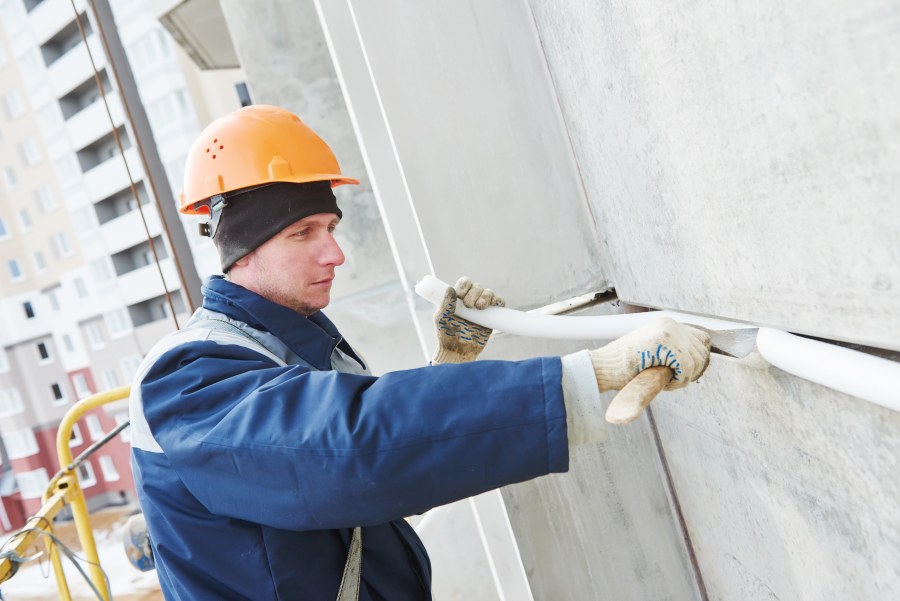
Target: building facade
(81, 297)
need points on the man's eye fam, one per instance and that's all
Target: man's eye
(302, 233)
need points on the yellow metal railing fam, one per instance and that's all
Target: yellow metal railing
(64, 489)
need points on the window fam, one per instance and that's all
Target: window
(4, 362)
(46, 198)
(108, 467)
(25, 219)
(61, 245)
(169, 111)
(75, 438)
(30, 151)
(102, 270)
(86, 475)
(53, 297)
(67, 343)
(10, 402)
(129, 366)
(15, 270)
(80, 288)
(95, 335)
(44, 353)
(20, 443)
(4, 231)
(32, 484)
(81, 386)
(40, 264)
(117, 322)
(121, 418)
(29, 309)
(95, 428)
(58, 394)
(149, 50)
(12, 104)
(110, 378)
(243, 93)
(9, 178)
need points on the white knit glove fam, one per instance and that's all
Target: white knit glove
(460, 340)
(588, 373)
(661, 342)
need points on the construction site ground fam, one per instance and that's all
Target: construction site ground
(35, 581)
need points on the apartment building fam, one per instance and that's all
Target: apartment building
(81, 297)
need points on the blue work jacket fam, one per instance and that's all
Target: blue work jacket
(252, 473)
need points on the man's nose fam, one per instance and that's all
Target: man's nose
(331, 253)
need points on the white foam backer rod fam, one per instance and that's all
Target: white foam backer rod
(855, 373)
(597, 327)
(852, 372)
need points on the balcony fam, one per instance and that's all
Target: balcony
(47, 18)
(92, 122)
(110, 176)
(83, 95)
(72, 68)
(126, 231)
(143, 283)
(120, 203)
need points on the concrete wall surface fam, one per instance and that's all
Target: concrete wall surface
(742, 158)
(478, 133)
(788, 489)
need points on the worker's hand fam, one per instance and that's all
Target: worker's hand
(460, 340)
(661, 342)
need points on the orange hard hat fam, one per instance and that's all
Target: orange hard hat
(255, 145)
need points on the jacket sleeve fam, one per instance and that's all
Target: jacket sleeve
(299, 449)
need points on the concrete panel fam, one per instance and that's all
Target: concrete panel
(742, 158)
(605, 529)
(476, 128)
(788, 489)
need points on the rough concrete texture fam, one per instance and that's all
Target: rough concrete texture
(477, 131)
(788, 489)
(742, 158)
(605, 529)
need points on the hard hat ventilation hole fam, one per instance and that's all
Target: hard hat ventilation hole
(214, 156)
(216, 141)
(221, 147)
(207, 150)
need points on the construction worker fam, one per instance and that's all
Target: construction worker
(269, 462)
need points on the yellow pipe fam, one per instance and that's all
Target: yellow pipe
(62, 585)
(42, 520)
(74, 493)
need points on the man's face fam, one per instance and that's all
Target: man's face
(294, 268)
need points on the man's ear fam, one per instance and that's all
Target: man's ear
(243, 261)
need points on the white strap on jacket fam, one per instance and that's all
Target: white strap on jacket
(349, 590)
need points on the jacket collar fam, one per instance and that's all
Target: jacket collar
(313, 338)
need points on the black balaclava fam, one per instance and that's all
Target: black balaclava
(251, 217)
